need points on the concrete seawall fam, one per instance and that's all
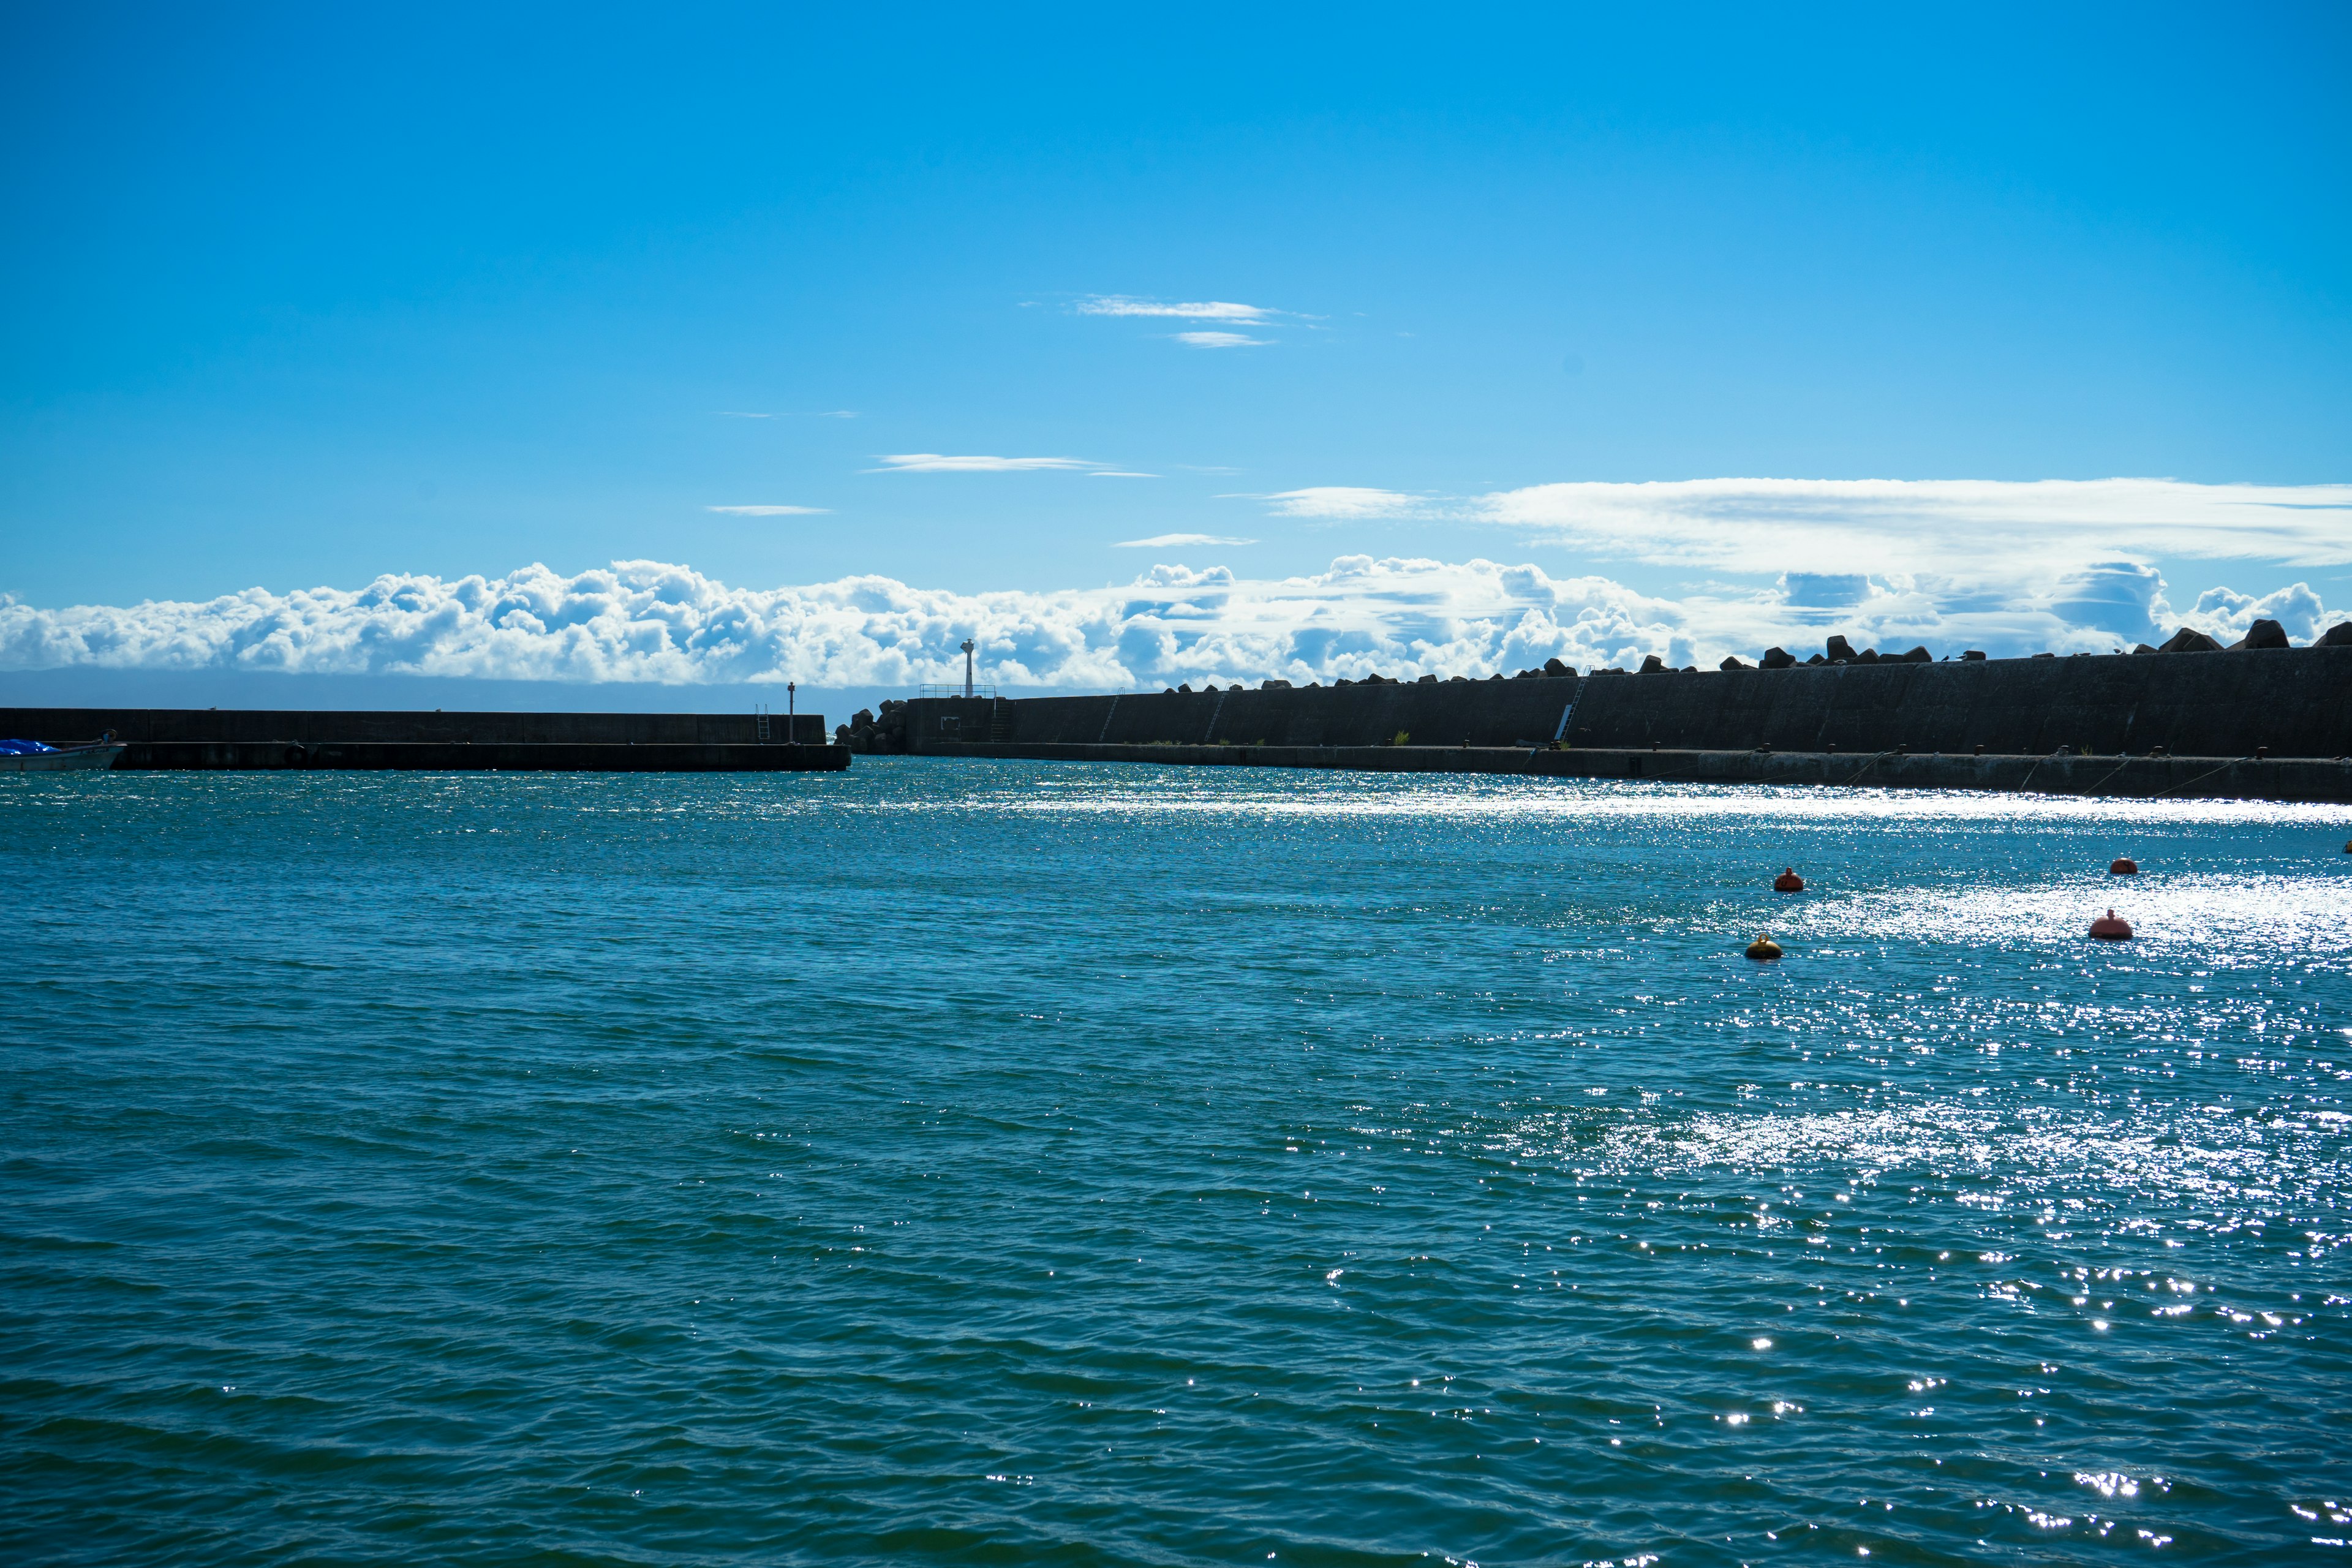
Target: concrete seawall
(215, 739)
(2291, 703)
(2168, 777)
(449, 756)
(59, 726)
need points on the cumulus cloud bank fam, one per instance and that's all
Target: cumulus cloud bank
(649, 621)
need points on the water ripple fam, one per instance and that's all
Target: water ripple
(991, 1164)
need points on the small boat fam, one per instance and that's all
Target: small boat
(34, 757)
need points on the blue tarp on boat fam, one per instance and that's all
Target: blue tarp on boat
(23, 748)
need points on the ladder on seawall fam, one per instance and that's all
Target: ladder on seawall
(1107, 718)
(1566, 714)
(1213, 714)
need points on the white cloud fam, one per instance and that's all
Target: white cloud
(771, 511)
(938, 463)
(1220, 341)
(1122, 474)
(1202, 311)
(2009, 568)
(2227, 614)
(648, 621)
(1180, 541)
(1344, 502)
(1956, 527)
(2079, 551)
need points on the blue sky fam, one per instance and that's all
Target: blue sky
(300, 298)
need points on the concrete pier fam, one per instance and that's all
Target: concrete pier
(239, 739)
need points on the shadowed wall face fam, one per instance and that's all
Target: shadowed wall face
(2291, 702)
(1442, 713)
(59, 726)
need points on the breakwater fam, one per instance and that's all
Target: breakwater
(2278, 702)
(238, 738)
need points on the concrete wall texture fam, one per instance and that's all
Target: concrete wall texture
(1441, 713)
(2293, 702)
(64, 726)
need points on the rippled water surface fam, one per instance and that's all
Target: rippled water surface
(1019, 1163)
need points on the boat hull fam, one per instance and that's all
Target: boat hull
(72, 759)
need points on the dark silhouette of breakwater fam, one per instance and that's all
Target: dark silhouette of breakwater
(2183, 720)
(217, 738)
(2285, 701)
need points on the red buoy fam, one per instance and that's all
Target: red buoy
(2110, 927)
(2124, 867)
(1788, 881)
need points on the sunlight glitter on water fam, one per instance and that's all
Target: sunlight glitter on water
(1020, 1162)
(2219, 915)
(1312, 794)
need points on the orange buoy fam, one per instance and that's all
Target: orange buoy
(1788, 881)
(1763, 950)
(2110, 927)
(2124, 867)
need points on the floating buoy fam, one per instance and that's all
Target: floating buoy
(1763, 950)
(2111, 927)
(1788, 881)
(2124, 867)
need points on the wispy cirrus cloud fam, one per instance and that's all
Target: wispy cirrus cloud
(1220, 341)
(2009, 562)
(1345, 503)
(1198, 310)
(1884, 526)
(1180, 541)
(771, 511)
(942, 463)
(1954, 527)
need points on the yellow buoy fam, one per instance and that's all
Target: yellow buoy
(1763, 950)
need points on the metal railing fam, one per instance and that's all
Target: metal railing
(957, 690)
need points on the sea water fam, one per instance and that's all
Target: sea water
(972, 1163)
